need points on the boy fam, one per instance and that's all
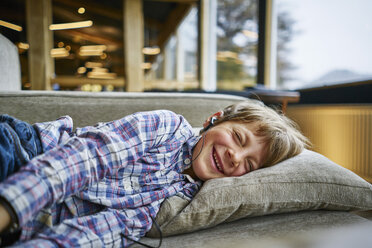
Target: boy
(103, 185)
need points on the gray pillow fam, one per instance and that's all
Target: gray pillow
(308, 181)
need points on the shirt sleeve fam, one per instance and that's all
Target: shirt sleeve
(107, 228)
(84, 159)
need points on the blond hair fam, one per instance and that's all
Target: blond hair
(282, 135)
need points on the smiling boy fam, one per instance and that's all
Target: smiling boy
(245, 137)
(104, 185)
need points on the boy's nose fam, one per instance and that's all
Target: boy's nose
(235, 163)
(236, 158)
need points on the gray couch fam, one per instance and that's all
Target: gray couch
(268, 208)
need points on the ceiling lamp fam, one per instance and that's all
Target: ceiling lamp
(93, 50)
(151, 50)
(250, 34)
(11, 26)
(81, 70)
(227, 54)
(146, 65)
(90, 64)
(24, 46)
(101, 73)
(81, 10)
(107, 75)
(71, 25)
(59, 52)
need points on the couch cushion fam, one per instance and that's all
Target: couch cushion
(308, 181)
(10, 71)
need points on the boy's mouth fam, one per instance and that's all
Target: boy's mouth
(216, 161)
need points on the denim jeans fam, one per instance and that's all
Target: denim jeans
(19, 143)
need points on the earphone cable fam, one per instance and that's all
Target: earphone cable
(205, 133)
(143, 244)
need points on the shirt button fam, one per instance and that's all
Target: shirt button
(187, 161)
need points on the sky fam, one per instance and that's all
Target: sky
(331, 35)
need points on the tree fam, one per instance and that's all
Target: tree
(285, 35)
(235, 16)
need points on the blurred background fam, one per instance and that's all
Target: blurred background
(312, 43)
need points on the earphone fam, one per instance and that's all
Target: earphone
(211, 123)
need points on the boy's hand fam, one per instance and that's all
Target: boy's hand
(5, 218)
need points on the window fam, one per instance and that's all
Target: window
(176, 66)
(237, 37)
(88, 58)
(323, 42)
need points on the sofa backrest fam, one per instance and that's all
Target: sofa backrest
(10, 72)
(90, 108)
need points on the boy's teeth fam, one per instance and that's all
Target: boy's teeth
(217, 164)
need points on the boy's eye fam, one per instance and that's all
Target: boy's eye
(238, 137)
(250, 166)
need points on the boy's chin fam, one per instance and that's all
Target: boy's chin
(209, 177)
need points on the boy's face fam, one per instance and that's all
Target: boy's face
(230, 149)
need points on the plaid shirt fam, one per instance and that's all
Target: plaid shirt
(93, 184)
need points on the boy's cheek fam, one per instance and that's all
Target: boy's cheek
(222, 137)
(239, 172)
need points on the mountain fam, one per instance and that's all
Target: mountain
(339, 76)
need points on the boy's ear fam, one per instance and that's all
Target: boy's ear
(208, 121)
